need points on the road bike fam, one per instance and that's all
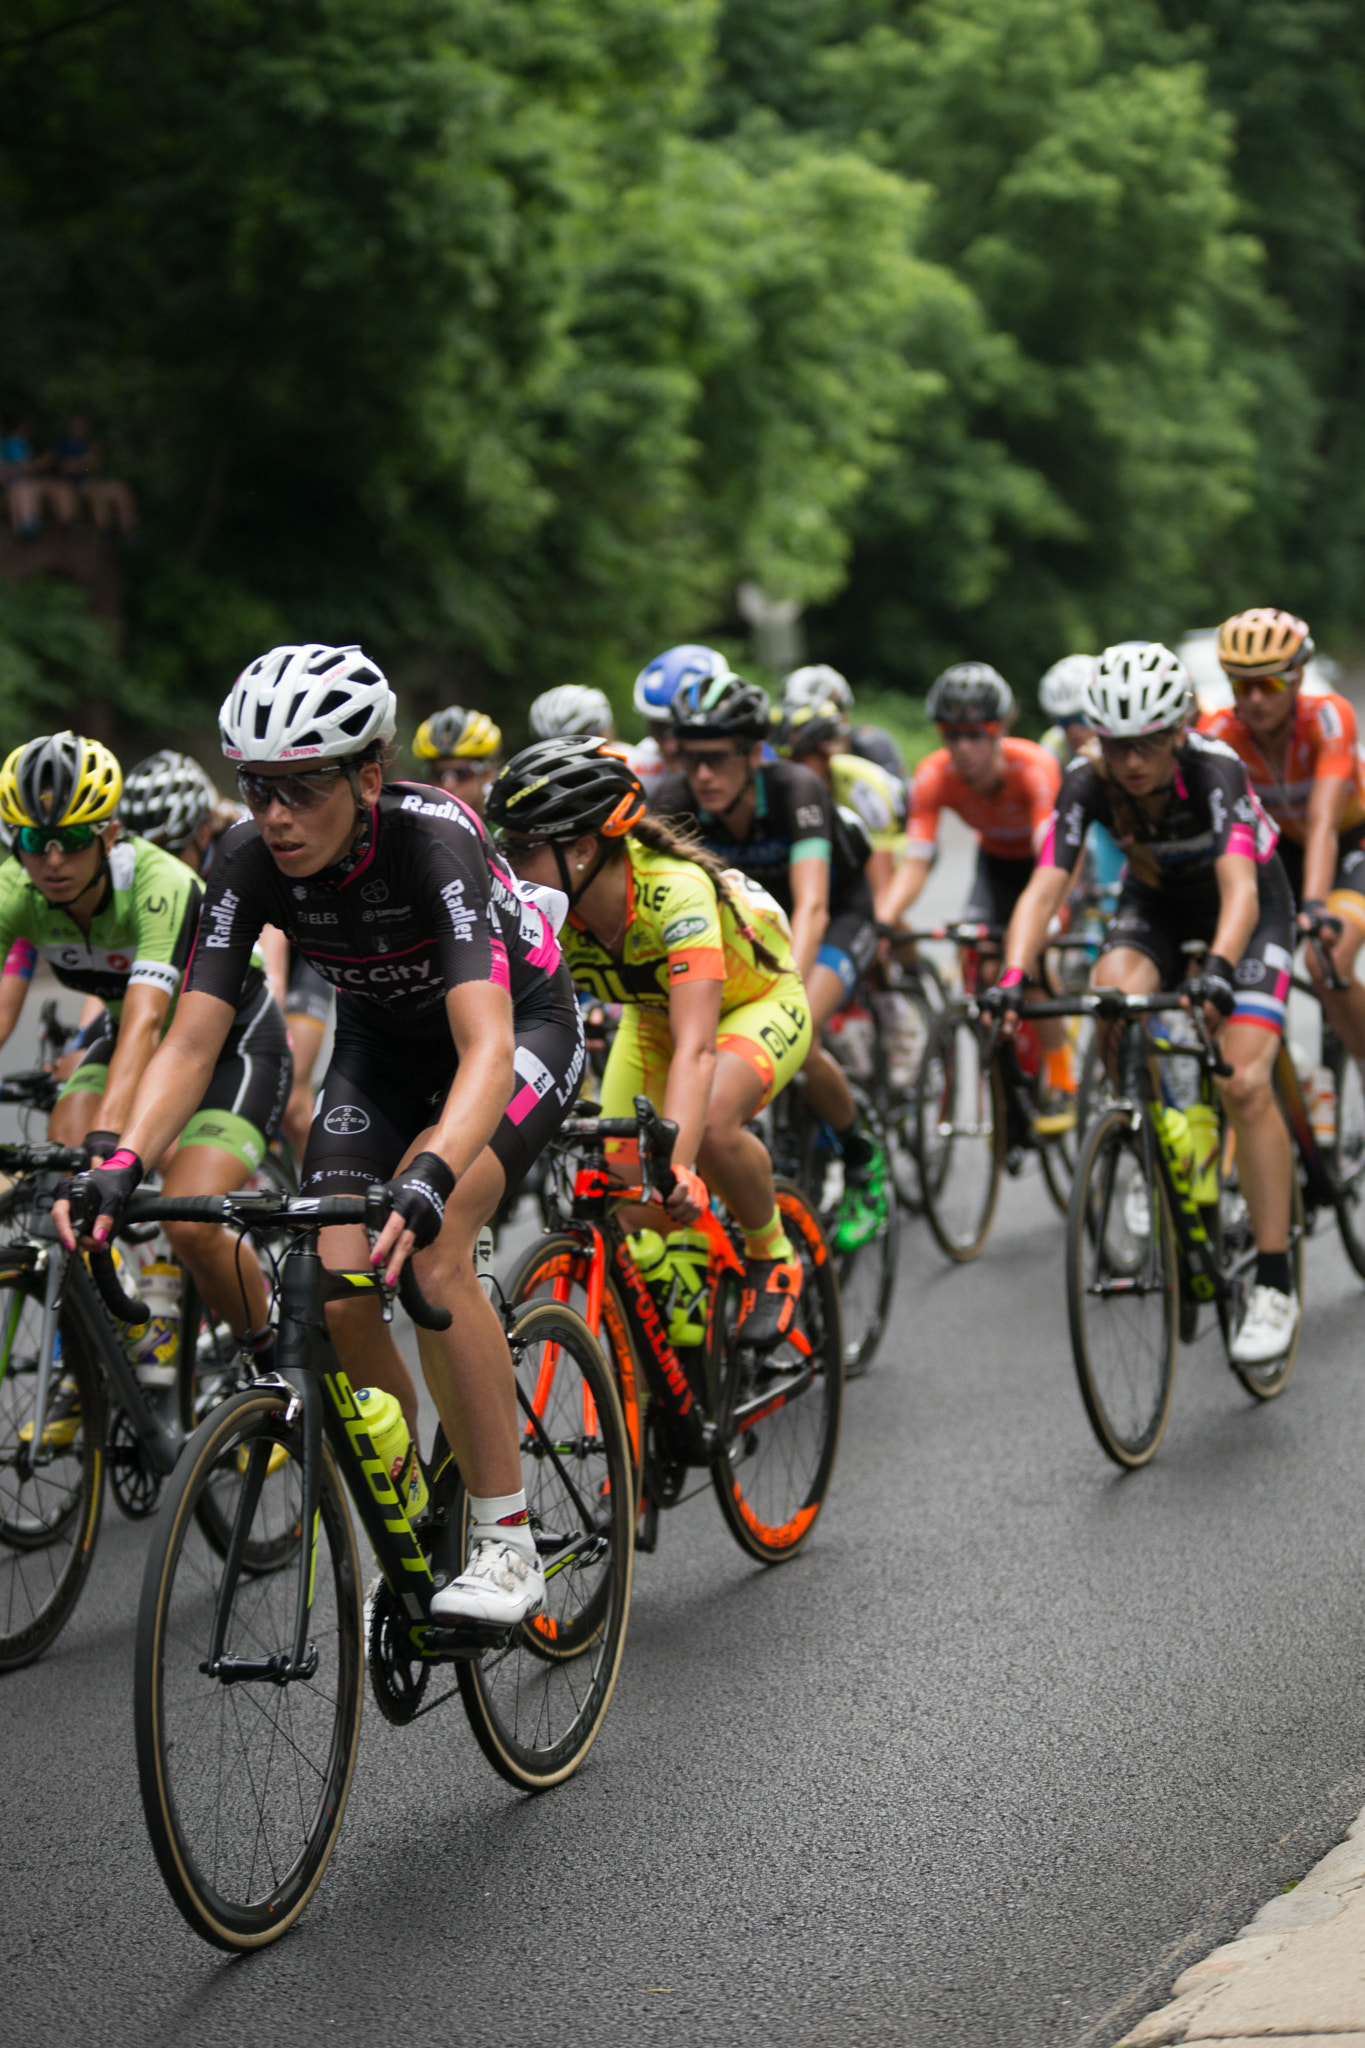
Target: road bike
(248, 1681)
(1332, 1171)
(763, 1425)
(1155, 1235)
(977, 1109)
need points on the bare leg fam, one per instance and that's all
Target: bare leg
(730, 1159)
(827, 1086)
(210, 1253)
(1264, 1155)
(307, 1035)
(1345, 1008)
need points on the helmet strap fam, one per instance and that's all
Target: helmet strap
(595, 867)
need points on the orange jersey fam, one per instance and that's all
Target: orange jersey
(1011, 821)
(1322, 743)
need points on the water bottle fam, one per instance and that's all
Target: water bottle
(388, 1432)
(674, 1270)
(1322, 1106)
(1175, 1125)
(1201, 1122)
(154, 1346)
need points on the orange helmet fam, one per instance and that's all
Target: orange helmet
(1263, 643)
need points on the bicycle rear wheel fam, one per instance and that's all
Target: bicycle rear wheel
(244, 1778)
(867, 1276)
(1122, 1288)
(960, 1135)
(1348, 1153)
(780, 1410)
(556, 1268)
(536, 1705)
(50, 1504)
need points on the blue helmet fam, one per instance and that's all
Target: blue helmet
(657, 685)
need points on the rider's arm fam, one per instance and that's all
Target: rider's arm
(174, 1079)
(904, 886)
(693, 1020)
(140, 1025)
(810, 910)
(1326, 802)
(1238, 907)
(274, 947)
(1043, 897)
(921, 838)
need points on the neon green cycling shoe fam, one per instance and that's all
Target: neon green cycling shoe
(863, 1206)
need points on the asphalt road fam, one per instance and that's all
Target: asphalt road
(997, 1756)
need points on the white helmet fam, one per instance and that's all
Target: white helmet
(1062, 690)
(571, 711)
(307, 703)
(1139, 686)
(816, 684)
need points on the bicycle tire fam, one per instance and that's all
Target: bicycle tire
(951, 1085)
(866, 1276)
(559, 1260)
(1348, 1152)
(537, 1704)
(1236, 1256)
(1127, 1398)
(896, 1106)
(50, 1522)
(243, 1838)
(772, 1474)
(210, 1360)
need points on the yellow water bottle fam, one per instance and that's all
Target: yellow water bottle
(669, 1268)
(1175, 1126)
(395, 1449)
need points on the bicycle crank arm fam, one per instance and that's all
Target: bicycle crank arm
(771, 1399)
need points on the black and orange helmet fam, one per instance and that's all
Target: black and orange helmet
(559, 789)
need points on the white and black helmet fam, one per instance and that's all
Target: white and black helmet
(1062, 690)
(311, 703)
(571, 711)
(1138, 686)
(817, 683)
(166, 798)
(970, 693)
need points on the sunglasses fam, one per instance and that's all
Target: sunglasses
(1147, 745)
(39, 839)
(514, 849)
(968, 732)
(1273, 686)
(295, 792)
(461, 771)
(692, 759)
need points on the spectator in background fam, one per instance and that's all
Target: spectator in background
(27, 483)
(76, 460)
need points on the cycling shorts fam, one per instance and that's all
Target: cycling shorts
(245, 1098)
(1158, 925)
(307, 995)
(848, 946)
(1346, 897)
(772, 1035)
(375, 1098)
(996, 887)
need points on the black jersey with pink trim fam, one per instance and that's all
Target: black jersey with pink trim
(421, 904)
(1210, 810)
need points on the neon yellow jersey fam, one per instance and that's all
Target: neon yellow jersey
(865, 788)
(677, 930)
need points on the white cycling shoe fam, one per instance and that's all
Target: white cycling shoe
(499, 1584)
(1268, 1327)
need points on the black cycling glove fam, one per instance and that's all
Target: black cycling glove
(1321, 919)
(104, 1191)
(101, 1144)
(420, 1193)
(1213, 984)
(1008, 994)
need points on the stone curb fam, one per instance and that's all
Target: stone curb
(1294, 1975)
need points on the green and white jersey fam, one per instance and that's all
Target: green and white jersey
(142, 933)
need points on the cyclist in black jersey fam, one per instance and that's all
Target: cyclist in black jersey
(1201, 865)
(778, 823)
(458, 1048)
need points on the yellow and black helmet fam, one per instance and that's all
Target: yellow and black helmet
(799, 729)
(1263, 642)
(457, 734)
(60, 780)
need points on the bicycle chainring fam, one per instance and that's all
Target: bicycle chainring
(136, 1486)
(397, 1678)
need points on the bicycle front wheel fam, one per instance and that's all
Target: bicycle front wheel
(244, 1774)
(1348, 1154)
(51, 1498)
(960, 1135)
(1122, 1288)
(536, 1704)
(779, 1411)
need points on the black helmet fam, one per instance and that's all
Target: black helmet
(166, 798)
(800, 728)
(969, 692)
(560, 788)
(873, 743)
(720, 708)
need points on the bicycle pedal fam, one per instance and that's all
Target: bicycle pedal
(466, 1638)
